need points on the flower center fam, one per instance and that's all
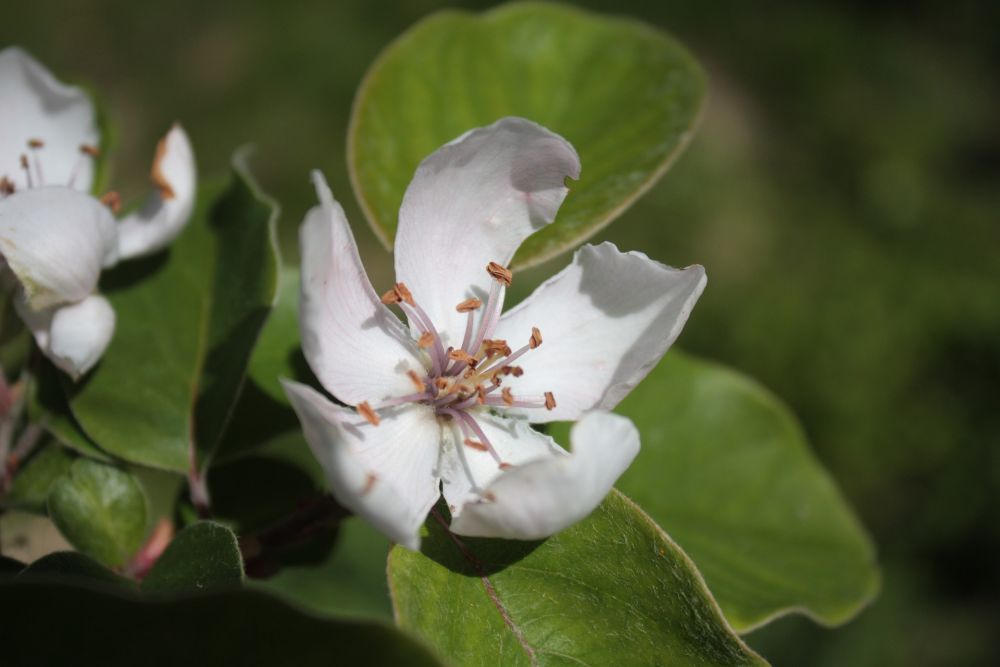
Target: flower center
(461, 380)
(34, 176)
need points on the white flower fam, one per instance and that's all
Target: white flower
(55, 238)
(444, 406)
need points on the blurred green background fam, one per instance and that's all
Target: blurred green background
(843, 193)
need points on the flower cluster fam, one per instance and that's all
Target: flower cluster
(441, 405)
(55, 237)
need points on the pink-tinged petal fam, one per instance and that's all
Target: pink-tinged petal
(468, 469)
(473, 202)
(358, 349)
(386, 474)
(605, 321)
(540, 498)
(56, 240)
(73, 336)
(36, 106)
(168, 207)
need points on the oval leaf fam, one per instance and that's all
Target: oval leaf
(64, 625)
(612, 590)
(202, 556)
(188, 319)
(726, 470)
(101, 510)
(29, 491)
(624, 94)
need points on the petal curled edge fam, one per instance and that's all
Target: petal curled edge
(606, 320)
(466, 472)
(357, 348)
(541, 498)
(384, 473)
(56, 240)
(472, 202)
(168, 207)
(73, 336)
(37, 106)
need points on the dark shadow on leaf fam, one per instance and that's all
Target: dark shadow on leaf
(132, 272)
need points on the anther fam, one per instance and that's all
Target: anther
(415, 379)
(426, 340)
(550, 401)
(441, 383)
(469, 305)
(6, 186)
(480, 395)
(500, 274)
(496, 347)
(92, 151)
(464, 357)
(536, 338)
(370, 480)
(508, 396)
(112, 200)
(489, 496)
(35, 144)
(366, 411)
(404, 293)
(476, 445)
(505, 466)
(157, 176)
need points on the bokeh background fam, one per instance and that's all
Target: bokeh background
(843, 193)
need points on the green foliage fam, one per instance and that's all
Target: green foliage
(203, 556)
(614, 589)
(624, 94)
(188, 319)
(57, 624)
(726, 470)
(101, 510)
(72, 567)
(30, 489)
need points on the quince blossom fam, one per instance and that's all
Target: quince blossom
(55, 238)
(443, 406)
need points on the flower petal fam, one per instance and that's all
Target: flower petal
(358, 349)
(37, 106)
(468, 470)
(472, 202)
(169, 206)
(541, 498)
(605, 321)
(385, 473)
(56, 240)
(73, 336)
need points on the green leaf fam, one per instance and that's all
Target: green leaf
(101, 510)
(73, 567)
(64, 625)
(47, 405)
(624, 94)
(204, 555)
(30, 490)
(611, 590)
(726, 470)
(188, 319)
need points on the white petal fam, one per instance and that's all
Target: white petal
(605, 320)
(37, 106)
(73, 336)
(473, 202)
(358, 349)
(541, 498)
(467, 471)
(56, 240)
(385, 473)
(169, 206)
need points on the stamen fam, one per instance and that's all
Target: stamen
(505, 466)
(366, 411)
(415, 379)
(496, 347)
(27, 170)
(500, 273)
(480, 395)
(463, 357)
(426, 340)
(469, 305)
(92, 151)
(34, 145)
(536, 338)
(550, 400)
(6, 186)
(370, 479)
(474, 444)
(157, 176)
(112, 200)
(508, 396)
(467, 423)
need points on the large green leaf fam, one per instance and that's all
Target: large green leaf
(63, 625)
(101, 510)
(188, 319)
(624, 94)
(204, 555)
(29, 491)
(73, 567)
(611, 590)
(726, 470)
